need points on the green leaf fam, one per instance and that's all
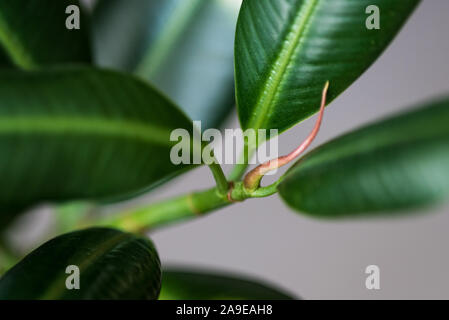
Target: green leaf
(33, 33)
(287, 49)
(184, 47)
(82, 133)
(199, 285)
(112, 265)
(395, 164)
(4, 60)
(7, 258)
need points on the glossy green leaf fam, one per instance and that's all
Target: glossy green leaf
(112, 265)
(287, 49)
(198, 285)
(184, 47)
(33, 33)
(4, 60)
(82, 133)
(7, 258)
(394, 164)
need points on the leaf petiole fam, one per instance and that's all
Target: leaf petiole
(240, 168)
(253, 178)
(177, 209)
(220, 178)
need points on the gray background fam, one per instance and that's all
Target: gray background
(320, 259)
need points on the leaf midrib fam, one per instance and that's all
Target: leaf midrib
(163, 44)
(357, 148)
(58, 287)
(85, 126)
(276, 75)
(13, 47)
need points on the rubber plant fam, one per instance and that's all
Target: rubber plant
(81, 120)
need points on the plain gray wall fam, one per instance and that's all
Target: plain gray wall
(320, 259)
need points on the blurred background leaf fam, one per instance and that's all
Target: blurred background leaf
(190, 284)
(82, 133)
(112, 265)
(287, 49)
(33, 33)
(7, 258)
(4, 60)
(183, 47)
(393, 164)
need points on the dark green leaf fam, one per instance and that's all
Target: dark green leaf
(184, 47)
(7, 258)
(194, 285)
(4, 60)
(112, 265)
(394, 164)
(82, 133)
(287, 49)
(33, 33)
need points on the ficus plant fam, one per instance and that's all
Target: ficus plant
(86, 116)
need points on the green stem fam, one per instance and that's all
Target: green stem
(267, 191)
(238, 171)
(240, 168)
(165, 212)
(220, 178)
(178, 209)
